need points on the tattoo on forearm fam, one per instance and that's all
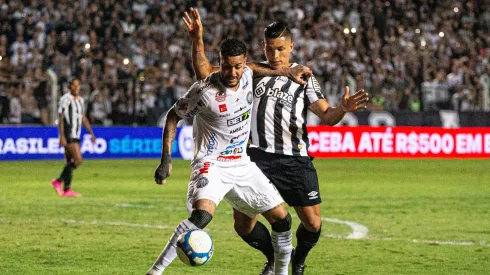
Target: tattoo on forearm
(169, 136)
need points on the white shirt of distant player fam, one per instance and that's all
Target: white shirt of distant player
(221, 118)
(72, 109)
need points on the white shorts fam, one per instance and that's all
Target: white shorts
(243, 186)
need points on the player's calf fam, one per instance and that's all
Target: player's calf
(283, 245)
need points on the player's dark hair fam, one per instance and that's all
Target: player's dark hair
(276, 30)
(232, 47)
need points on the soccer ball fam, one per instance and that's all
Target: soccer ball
(195, 247)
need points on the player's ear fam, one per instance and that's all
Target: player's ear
(263, 44)
(292, 45)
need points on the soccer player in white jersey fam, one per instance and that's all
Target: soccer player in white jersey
(71, 118)
(221, 106)
(279, 140)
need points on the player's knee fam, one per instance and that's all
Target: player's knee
(200, 218)
(283, 224)
(312, 224)
(77, 162)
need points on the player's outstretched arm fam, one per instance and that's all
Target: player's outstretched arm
(164, 170)
(297, 73)
(88, 127)
(332, 115)
(200, 62)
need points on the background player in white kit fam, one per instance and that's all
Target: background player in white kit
(221, 106)
(71, 118)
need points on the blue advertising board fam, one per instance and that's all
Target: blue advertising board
(28, 143)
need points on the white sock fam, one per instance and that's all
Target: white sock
(170, 251)
(283, 245)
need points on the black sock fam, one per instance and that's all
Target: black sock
(66, 176)
(260, 239)
(306, 241)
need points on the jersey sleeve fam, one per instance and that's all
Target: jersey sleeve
(313, 90)
(64, 102)
(194, 101)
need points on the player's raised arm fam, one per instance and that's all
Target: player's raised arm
(332, 115)
(200, 62)
(164, 170)
(297, 73)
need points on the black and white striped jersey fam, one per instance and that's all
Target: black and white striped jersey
(279, 114)
(72, 109)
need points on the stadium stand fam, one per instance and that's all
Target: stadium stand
(133, 57)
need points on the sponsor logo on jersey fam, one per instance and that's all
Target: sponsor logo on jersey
(200, 103)
(222, 108)
(235, 145)
(193, 112)
(238, 119)
(240, 109)
(249, 97)
(182, 106)
(220, 96)
(205, 168)
(202, 182)
(203, 88)
(212, 143)
(229, 158)
(235, 151)
(259, 89)
(245, 85)
(284, 97)
(236, 130)
(316, 86)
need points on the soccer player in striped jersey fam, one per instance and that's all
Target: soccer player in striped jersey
(279, 140)
(71, 118)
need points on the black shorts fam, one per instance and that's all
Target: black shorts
(294, 177)
(72, 140)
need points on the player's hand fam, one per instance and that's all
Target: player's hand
(193, 24)
(300, 74)
(354, 102)
(63, 141)
(163, 171)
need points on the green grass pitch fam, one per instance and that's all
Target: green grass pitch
(422, 217)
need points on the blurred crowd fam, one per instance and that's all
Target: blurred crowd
(133, 56)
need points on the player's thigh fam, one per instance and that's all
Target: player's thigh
(74, 152)
(296, 180)
(310, 216)
(252, 193)
(206, 183)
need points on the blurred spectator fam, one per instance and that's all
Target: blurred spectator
(411, 55)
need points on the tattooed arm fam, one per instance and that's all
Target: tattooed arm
(164, 170)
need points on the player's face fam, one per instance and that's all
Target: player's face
(277, 51)
(75, 87)
(231, 69)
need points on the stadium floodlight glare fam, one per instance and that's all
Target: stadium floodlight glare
(441, 34)
(456, 10)
(417, 30)
(87, 46)
(1, 57)
(353, 30)
(346, 31)
(126, 61)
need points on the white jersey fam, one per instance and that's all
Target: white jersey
(72, 109)
(222, 117)
(279, 114)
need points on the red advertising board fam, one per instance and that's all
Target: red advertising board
(399, 142)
